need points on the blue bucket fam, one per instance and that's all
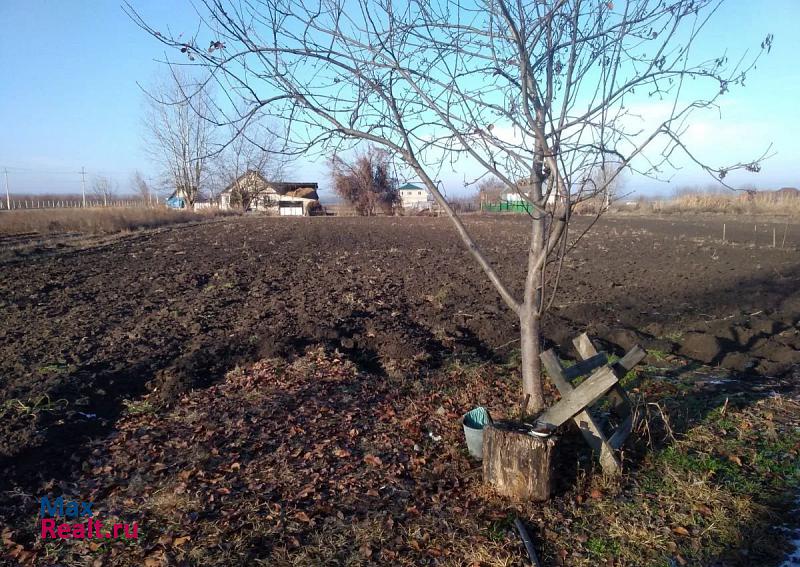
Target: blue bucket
(474, 421)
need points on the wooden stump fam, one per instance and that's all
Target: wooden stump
(517, 464)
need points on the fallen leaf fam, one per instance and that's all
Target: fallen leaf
(703, 509)
(681, 531)
(303, 517)
(372, 460)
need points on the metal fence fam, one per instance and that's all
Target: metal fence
(508, 207)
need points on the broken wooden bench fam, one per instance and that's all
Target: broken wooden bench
(517, 458)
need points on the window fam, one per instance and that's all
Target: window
(419, 192)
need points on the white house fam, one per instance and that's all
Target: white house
(513, 197)
(272, 197)
(415, 198)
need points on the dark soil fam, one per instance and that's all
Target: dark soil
(170, 311)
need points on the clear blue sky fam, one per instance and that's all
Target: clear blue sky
(69, 98)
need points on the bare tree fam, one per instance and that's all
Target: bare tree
(179, 128)
(537, 93)
(366, 182)
(141, 188)
(491, 190)
(104, 189)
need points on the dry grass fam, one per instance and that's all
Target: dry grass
(94, 220)
(731, 203)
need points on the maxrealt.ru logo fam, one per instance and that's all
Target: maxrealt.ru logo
(78, 521)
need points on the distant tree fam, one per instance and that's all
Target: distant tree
(465, 203)
(491, 190)
(257, 150)
(366, 183)
(179, 133)
(104, 189)
(141, 187)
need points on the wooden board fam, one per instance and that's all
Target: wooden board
(585, 366)
(620, 402)
(576, 400)
(588, 427)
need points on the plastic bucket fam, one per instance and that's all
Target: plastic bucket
(474, 421)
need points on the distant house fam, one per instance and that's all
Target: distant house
(415, 198)
(178, 200)
(273, 197)
(512, 197)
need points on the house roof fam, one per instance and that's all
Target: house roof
(410, 186)
(304, 189)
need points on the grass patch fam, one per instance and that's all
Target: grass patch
(138, 407)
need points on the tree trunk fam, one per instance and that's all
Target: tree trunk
(516, 464)
(530, 317)
(531, 346)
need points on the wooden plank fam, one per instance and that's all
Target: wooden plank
(584, 346)
(588, 427)
(597, 441)
(586, 350)
(555, 371)
(622, 433)
(572, 403)
(585, 366)
(618, 397)
(631, 359)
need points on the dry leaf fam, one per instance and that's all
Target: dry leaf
(703, 509)
(681, 531)
(303, 517)
(372, 460)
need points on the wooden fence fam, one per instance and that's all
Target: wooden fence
(23, 204)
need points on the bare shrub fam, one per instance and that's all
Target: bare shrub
(365, 183)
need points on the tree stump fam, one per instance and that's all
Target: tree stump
(516, 463)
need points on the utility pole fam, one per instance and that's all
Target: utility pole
(8, 195)
(83, 185)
